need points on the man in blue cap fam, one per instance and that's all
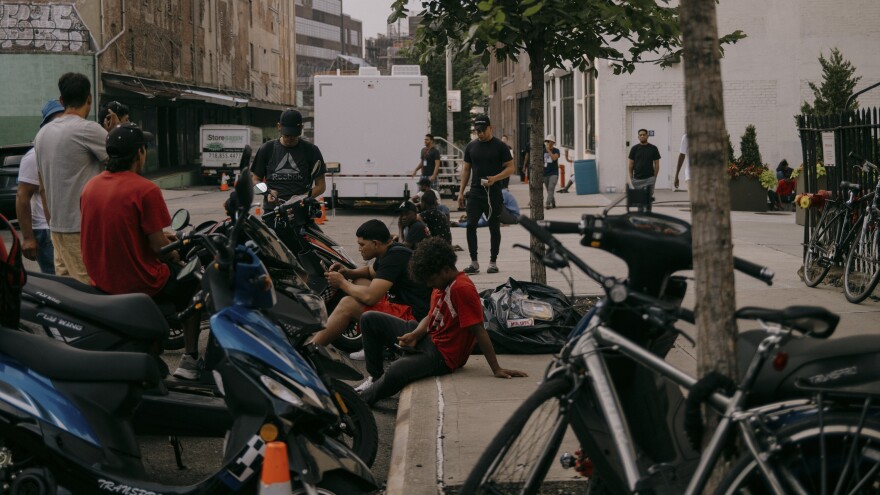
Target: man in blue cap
(36, 242)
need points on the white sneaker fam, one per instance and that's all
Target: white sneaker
(189, 368)
(365, 385)
(358, 356)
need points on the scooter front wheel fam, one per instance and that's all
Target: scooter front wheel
(358, 429)
(174, 340)
(350, 340)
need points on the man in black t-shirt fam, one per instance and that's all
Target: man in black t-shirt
(436, 221)
(643, 164)
(429, 162)
(487, 162)
(385, 286)
(290, 165)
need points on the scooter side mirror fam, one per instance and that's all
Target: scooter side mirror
(180, 219)
(244, 189)
(261, 188)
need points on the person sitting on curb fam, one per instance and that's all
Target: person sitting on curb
(425, 186)
(436, 221)
(412, 229)
(509, 214)
(383, 286)
(438, 344)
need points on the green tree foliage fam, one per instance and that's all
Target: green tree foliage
(465, 77)
(838, 83)
(554, 34)
(731, 158)
(748, 147)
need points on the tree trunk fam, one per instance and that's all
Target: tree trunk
(713, 247)
(536, 155)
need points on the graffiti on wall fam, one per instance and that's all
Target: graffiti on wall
(43, 27)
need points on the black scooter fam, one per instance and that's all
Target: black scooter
(66, 414)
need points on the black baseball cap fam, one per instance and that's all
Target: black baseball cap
(481, 122)
(125, 140)
(424, 181)
(291, 123)
(407, 206)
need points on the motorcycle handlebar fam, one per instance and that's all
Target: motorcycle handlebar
(198, 302)
(556, 227)
(173, 246)
(755, 270)
(536, 230)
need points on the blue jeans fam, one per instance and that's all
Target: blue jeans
(45, 251)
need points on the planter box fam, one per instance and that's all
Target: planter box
(800, 216)
(747, 194)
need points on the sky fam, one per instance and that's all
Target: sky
(374, 14)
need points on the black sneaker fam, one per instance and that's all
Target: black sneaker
(471, 270)
(492, 269)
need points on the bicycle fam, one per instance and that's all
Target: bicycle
(579, 392)
(832, 236)
(862, 266)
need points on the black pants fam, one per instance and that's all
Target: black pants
(379, 331)
(491, 205)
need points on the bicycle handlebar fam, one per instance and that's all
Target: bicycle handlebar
(755, 270)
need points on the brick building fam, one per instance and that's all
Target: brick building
(765, 79)
(177, 64)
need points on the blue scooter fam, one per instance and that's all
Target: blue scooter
(65, 413)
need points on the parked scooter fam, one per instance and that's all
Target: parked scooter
(294, 222)
(66, 414)
(88, 319)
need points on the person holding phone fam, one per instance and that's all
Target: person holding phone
(290, 165)
(439, 343)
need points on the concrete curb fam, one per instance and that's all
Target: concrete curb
(397, 470)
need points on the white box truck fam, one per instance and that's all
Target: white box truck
(374, 126)
(222, 146)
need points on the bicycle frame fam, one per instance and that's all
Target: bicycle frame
(597, 336)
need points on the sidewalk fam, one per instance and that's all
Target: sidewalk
(443, 424)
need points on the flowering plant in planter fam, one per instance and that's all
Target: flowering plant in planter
(768, 179)
(820, 170)
(735, 170)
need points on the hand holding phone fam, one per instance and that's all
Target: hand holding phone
(484, 182)
(407, 349)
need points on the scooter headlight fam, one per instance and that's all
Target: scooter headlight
(316, 306)
(297, 395)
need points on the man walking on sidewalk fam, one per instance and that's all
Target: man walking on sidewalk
(643, 164)
(441, 342)
(429, 163)
(487, 162)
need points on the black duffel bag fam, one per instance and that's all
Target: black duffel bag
(516, 326)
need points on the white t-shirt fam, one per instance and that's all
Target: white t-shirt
(27, 173)
(685, 165)
(70, 152)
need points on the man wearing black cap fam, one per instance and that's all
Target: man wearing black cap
(123, 217)
(290, 165)
(487, 162)
(412, 228)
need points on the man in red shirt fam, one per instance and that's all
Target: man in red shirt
(454, 324)
(123, 217)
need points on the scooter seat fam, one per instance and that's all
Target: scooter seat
(58, 361)
(845, 361)
(135, 315)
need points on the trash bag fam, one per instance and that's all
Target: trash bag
(514, 331)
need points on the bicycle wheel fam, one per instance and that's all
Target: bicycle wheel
(517, 459)
(820, 250)
(862, 269)
(834, 457)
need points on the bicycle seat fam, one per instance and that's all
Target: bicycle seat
(850, 186)
(839, 362)
(814, 321)
(58, 361)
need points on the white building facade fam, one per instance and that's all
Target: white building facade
(765, 79)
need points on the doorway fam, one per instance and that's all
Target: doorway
(656, 121)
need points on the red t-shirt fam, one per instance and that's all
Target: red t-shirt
(452, 311)
(119, 210)
(785, 187)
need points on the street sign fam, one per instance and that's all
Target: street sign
(453, 100)
(828, 150)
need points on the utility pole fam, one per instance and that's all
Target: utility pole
(449, 128)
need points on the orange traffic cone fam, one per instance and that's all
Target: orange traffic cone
(323, 218)
(275, 479)
(223, 185)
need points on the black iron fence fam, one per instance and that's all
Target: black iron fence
(856, 137)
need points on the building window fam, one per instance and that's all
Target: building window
(590, 110)
(566, 91)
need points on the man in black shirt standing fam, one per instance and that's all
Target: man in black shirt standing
(487, 162)
(644, 164)
(290, 165)
(429, 163)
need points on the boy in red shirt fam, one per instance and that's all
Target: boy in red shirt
(454, 324)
